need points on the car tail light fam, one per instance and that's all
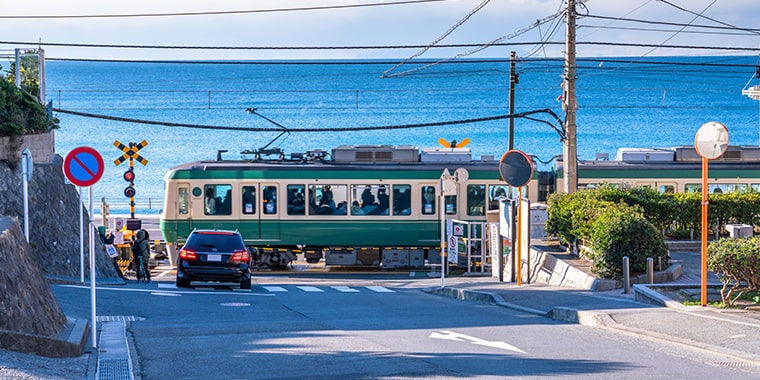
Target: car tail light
(241, 256)
(187, 254)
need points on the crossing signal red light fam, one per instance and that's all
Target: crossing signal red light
(129, 192)
(129, 175)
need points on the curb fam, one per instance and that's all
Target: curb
(70, 341)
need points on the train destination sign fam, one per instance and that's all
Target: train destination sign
(83, 166)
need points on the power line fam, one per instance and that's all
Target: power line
(660, 30)
(650, 22)
(700, 15)
(214, 13)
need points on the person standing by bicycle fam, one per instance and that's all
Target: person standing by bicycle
(141, 255)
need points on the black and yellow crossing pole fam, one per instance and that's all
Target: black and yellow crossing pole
(130, 153)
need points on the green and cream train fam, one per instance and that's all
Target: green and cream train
(359, 205)
(354, 206)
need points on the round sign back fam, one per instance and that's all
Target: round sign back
(516, 168)
(711, 140)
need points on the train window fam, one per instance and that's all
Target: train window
(218, 200)
(494, 193)
(726, 188)
(182, 200)
(328, 200)
(428, 200)
(402, 200)
(476, 199)
(693, 188)
(451, 204)
(249, 200)
(666, 189)
(370, 200)
(269, 199)
(296, 200)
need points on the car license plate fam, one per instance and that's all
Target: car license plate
(216, 258)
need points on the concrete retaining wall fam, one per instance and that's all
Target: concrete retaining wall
(41, 145)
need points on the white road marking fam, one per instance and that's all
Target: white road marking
(450, 335)
(310, 289)
(275, 289)
(380, 289)
(345, 289)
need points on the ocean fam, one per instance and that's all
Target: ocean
(656, 102)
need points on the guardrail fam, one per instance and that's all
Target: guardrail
(121, 205)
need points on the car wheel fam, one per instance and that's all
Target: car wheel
(182, 283)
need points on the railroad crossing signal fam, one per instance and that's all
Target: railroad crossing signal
(130, 152)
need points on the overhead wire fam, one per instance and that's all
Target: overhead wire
(674, 34)
(313, 129)
(544, 20)
(439, 39)
(214, 13)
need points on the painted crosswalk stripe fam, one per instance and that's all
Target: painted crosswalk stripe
(310, 289)
(345, 289)
(162, 285)
(380, 289)
(275, 289)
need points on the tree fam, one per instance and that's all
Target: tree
(20, 111)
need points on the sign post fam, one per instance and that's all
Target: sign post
(710, 142)
(516, 170)
(27, 166)
(83, 166)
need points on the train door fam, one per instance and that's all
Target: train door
(249, 211)
(269, 217)
(178, 221)
(428, 210)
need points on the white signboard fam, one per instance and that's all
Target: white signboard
(452, 250)
(118, 223)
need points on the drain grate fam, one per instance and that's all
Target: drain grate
(114, 369)
(118, 318)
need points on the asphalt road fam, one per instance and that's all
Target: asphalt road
(366, 327)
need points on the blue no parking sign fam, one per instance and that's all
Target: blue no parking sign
(83, 166)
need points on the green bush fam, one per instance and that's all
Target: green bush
(737, 264)
(21, 113)
(621, 231)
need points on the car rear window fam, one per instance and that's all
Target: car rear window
(218, 242)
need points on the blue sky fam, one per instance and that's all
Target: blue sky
(402, 24)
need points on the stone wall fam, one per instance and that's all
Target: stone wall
(41, 145)
(27, 303)
(54, 220)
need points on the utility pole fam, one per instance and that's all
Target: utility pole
(513, 80)
(570, 105)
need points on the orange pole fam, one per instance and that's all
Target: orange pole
(518, 245)
(704, 231)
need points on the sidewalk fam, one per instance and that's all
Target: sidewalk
(734, 334)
